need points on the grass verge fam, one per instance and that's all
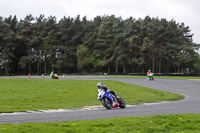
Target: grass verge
(187, 123)
(42, 94)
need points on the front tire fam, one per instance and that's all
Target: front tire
(107, 103)
(121, 102)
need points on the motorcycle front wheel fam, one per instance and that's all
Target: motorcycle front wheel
(121, 102)
(107, 103)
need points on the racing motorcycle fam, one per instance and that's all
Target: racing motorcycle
(110, 101)
(55, 76)
(151, 76)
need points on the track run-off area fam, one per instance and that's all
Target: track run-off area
(189, 88)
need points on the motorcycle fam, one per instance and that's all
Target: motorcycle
(151, 76)
(109, 101)
(55, 76)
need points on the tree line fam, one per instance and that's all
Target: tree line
(105, 44)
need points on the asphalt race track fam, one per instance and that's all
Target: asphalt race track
(189, 88)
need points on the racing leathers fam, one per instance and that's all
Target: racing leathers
(105, 88)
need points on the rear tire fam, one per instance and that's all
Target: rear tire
(107, 103)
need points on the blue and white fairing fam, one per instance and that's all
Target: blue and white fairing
(107, 94)
(102, 94)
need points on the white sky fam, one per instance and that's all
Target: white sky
(187, 11)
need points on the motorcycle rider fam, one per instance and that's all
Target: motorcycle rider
(149, 71)
(105, 88)
(51, 75)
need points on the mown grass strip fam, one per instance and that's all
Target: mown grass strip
(42, 94)
(187, 123)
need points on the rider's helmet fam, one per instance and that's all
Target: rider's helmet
(99, 84)
(149, 71)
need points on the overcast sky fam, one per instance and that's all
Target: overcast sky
(187, 11)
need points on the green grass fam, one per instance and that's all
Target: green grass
(42, 94)
(187, 123)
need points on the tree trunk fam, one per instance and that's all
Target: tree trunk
(133, 69)
(142, 69)
(29, 59)
(160, 64)
(116, 69)
(29, 66)
(108, 69)
(45, 66)
(6, 69)
(52, 65)
(38, 71)
(153, 63)
(124, 68)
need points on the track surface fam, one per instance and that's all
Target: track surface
(189, 88)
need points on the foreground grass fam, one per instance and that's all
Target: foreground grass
(42, 94)
(187, 123)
